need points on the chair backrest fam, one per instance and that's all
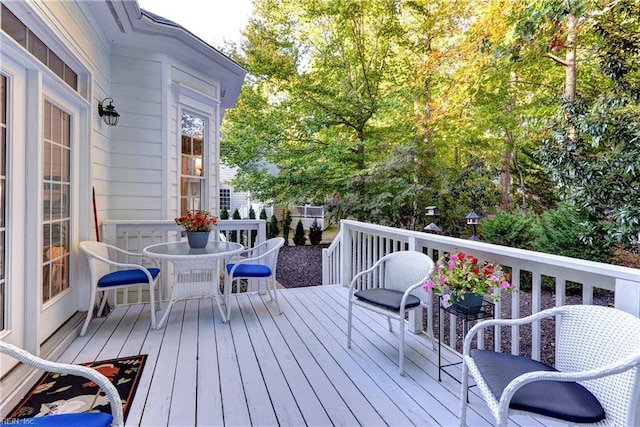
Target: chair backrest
(402, 269)
(592, 336)
(95, 251)
(274, 244)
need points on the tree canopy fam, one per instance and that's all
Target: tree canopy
(379, 108)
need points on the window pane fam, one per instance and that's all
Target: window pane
(191, 162)
(3, 186)
(38, 48)
(56, 65)
(56, 190)
(13, 27)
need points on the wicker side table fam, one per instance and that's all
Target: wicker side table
(486, 312)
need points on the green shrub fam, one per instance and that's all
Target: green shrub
(513, 229)
(299, 239)
(272, 228)
(568, 232)
(315, 233)
(286, 227)
(234, 234)
(224, 214)
(254, 233)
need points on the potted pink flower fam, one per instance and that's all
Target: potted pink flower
(463, 280)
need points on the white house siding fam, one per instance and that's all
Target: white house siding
(138, 142)
(149, 70)
(238, 198)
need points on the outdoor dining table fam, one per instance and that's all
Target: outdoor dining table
(196, 271)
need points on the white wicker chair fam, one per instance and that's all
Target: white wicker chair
(597, 349)
(108, 274)
(84, 419)
(393, 286)
(257, 263)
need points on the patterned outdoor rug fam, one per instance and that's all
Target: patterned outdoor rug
(61, 393)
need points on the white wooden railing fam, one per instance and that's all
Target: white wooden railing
(358, 245)
(134, 236)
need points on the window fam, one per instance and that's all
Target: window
(192, 163)
(23, 35)
(56, 191)
(225, 198)
(3, 192)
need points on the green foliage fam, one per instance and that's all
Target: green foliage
(263, 213)
(514, 229)
(568, 232)
(299, 238)
(286, 226)
(234, 234)
(254, 233)
(272, 228)
(379, 108)
(315, 233)
(224, 213)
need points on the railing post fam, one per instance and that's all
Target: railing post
(627, 296)
(415, 316)
(346, 255)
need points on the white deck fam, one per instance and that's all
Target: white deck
(266, 369)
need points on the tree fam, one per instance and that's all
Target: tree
(273, 227)
(286, 226)
(299, 238)
(592, 147)
(234, 234)
(224, 214)
(315, 233)
(330, 64)
(254, 233)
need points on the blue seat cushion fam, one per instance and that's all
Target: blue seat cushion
(85, 419)
(567, 401)
(126, 277)
(387, 298)
(250, 270)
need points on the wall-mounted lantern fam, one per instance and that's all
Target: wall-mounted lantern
(108, 113)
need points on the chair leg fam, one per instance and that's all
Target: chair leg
(275, 293)
(227, 298)
(389, 323)
(464, 382)
(103, 303)
(89, 313)
(401, 347)
(349, 324)
(152, 303)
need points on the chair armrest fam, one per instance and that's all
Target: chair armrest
(505, 322)
(126, 265)
(70, 369)
(362, 273)
(250, 260)
(614, 368)
(135, 254)
(249, 251)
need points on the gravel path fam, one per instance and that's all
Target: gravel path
(300, 266)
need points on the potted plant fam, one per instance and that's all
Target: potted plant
(463, 281)
(198, 225)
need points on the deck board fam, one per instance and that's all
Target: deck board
(290, 369)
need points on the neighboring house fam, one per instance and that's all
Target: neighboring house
(240, 200)
(59, 60)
